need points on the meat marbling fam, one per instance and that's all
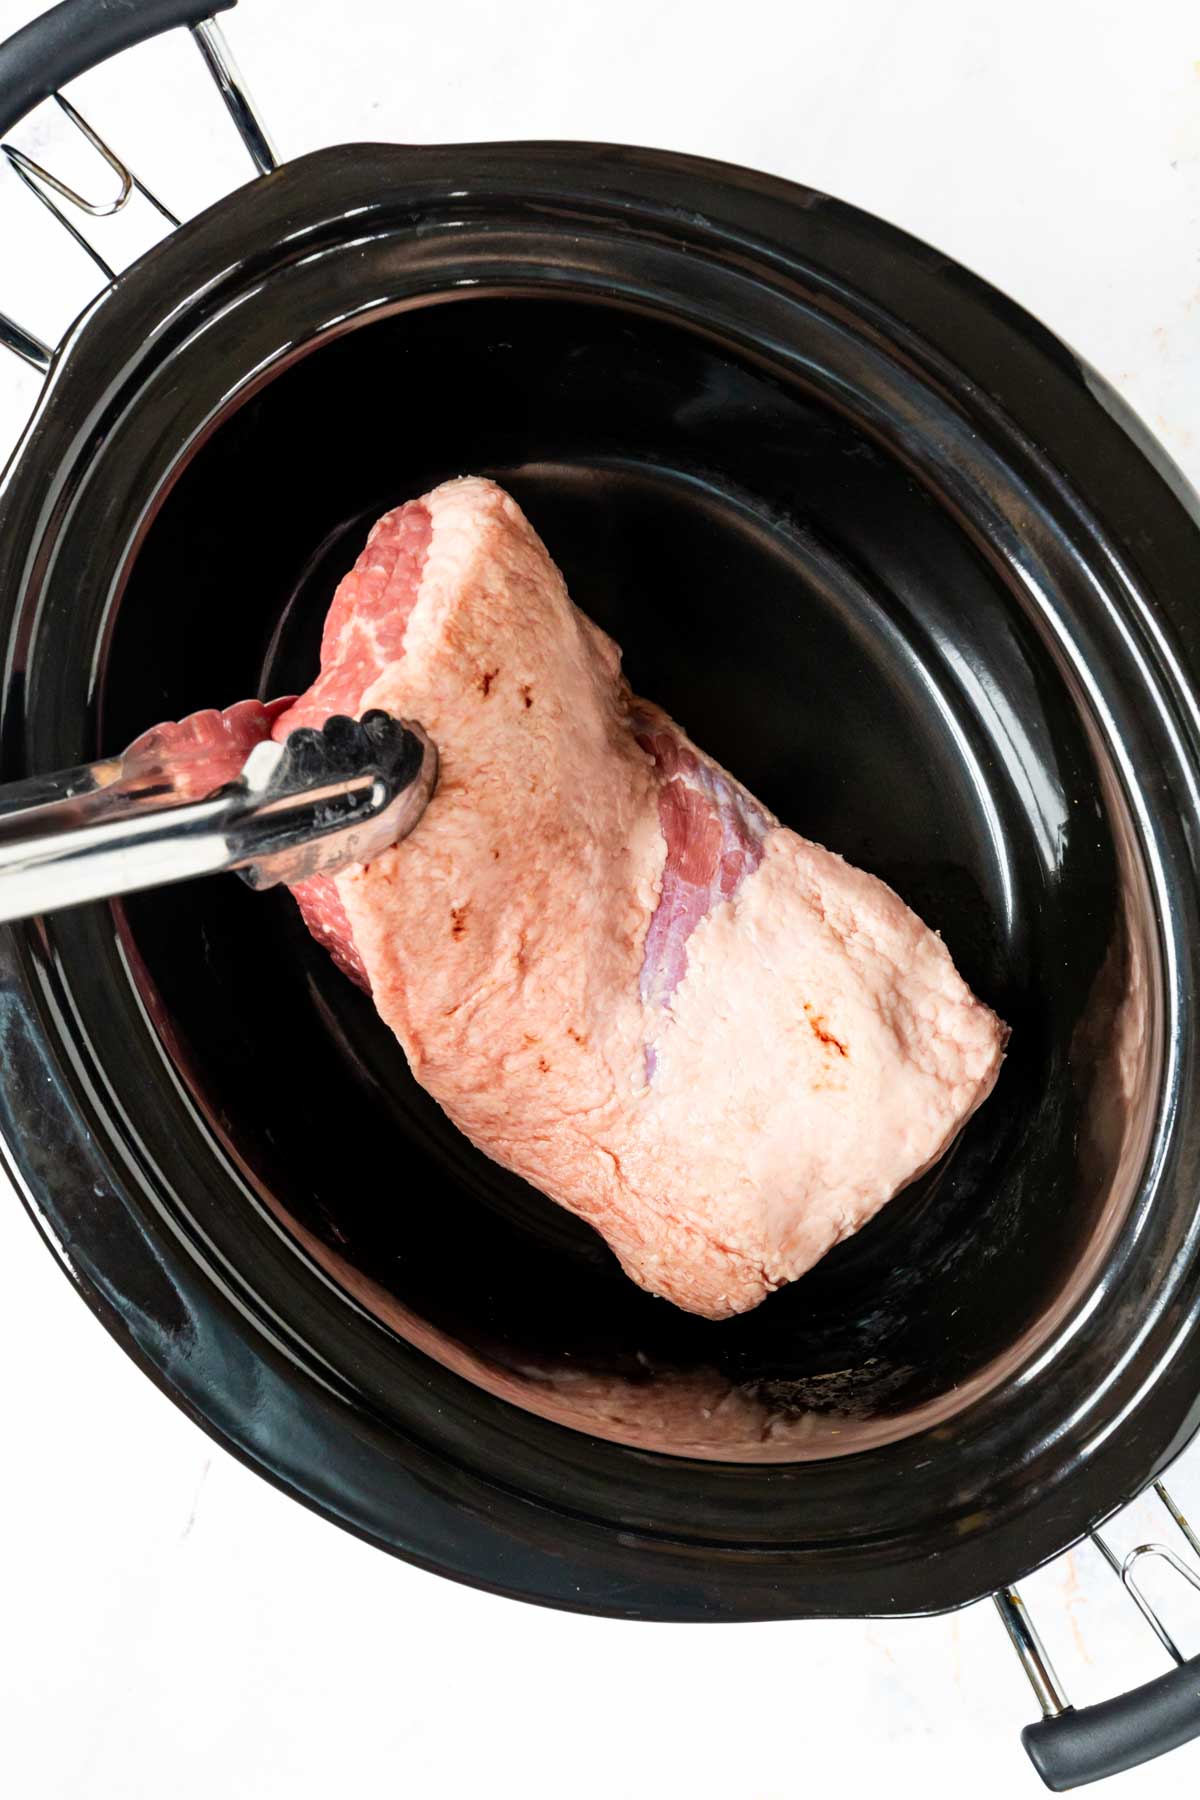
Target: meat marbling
(617, 973)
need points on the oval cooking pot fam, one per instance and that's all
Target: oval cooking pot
(887, 549)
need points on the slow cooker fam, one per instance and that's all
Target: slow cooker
(889, 549)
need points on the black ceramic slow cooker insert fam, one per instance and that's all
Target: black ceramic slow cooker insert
(889, 550)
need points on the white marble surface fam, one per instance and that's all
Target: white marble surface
(171, 1625)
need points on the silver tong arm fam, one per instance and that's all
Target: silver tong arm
(311, 805)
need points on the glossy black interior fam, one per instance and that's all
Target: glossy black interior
(887, 549)
(820, 624)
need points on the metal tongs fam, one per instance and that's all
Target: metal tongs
(311, 805)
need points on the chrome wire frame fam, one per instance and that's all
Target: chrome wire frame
(1051, 1696)
(50, 189)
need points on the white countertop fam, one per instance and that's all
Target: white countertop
(173, 1628)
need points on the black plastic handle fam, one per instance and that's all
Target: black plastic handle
(77, 36)
(1094, 1741)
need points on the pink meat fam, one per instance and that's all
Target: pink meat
(617, 973)
(203, 752)
(713, 833)
(367, 621)
(364, 632)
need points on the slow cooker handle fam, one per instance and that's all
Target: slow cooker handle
(1070, 1746)
(1090, 1742)
(76, 36)
(67, 41)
